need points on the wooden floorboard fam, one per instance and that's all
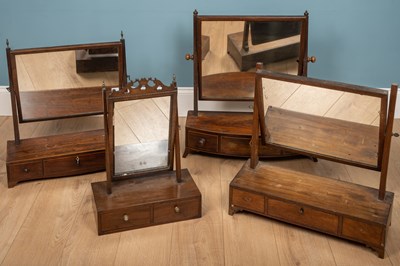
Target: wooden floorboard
(53, 222)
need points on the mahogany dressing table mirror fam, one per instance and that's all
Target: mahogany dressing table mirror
(334, 121)
(226, 50)
(142, 144)
(51, 83)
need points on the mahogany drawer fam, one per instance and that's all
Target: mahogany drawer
(177, 210)
(305, 216)
(247, 200)
(364, 232)
(201, 141)
(240, 146)
(125, 218)
(25, 171)
(236, 146)
(74, 165)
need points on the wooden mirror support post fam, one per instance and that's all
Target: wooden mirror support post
(142, 188)
(224, 48)
(45, 84)
(346, 210)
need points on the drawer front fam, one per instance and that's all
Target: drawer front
(247, 200)
(364, 232)
(74, 165)
(308, 217)
(124, 219)
(241, 147)
(200, 141)
(235, 146)
(25, 171)
(177, 210)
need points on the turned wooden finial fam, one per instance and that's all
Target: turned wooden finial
(122, 35)
(174, 78)
(7, 43)
(306, 13)
(259, 66)
(195, 13)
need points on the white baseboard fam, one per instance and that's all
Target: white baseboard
(185, 100)
(5, 102)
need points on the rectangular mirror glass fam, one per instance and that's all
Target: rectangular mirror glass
(341, 124)
(65, 81)
(142, 131)
(231, 47)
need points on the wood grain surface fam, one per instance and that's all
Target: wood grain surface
(52, 221)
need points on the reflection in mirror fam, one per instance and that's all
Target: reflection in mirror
(74, 78)
(238, 45)
(141, 129)
(64, 70)
(337, 123)
(318, 101)
(231, 49)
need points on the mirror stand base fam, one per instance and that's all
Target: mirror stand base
(225, 134)
(146, 201)
(55, 156)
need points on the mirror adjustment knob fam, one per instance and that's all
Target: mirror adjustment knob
(189, 56)
(312, 59)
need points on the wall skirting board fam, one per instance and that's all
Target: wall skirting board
(185, 101)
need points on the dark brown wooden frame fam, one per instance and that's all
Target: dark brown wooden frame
(60, 155)
(147, 197)
(197, 42)
(332, 206)
(228, 133)
(135, 90)
(385, 122)
(14, 88)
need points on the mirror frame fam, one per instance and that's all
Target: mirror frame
(13, 77)
(135, 90)
(197, 42)
(259, 123)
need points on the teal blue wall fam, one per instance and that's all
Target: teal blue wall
(356, 41)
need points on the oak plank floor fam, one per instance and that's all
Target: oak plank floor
(52, 222)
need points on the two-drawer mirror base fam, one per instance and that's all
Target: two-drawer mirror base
(55, 156)
(146, 201)
(342, 209)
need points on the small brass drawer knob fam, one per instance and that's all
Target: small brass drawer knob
(177, 210)
(77, 160)
(26, 170)
(301, 211)
(126, 217)
(202, 141)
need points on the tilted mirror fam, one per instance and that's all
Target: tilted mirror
(64, 81)
(227, 49)
(333, 120)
